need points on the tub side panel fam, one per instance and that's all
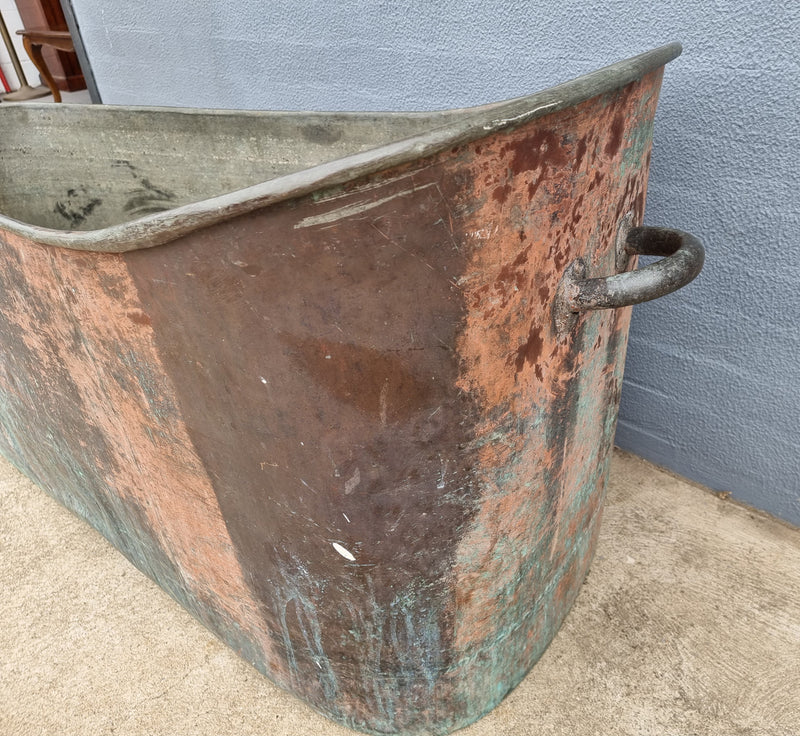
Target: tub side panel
(410, 464)
(89, 414)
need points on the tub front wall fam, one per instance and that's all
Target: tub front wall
(319, 381)
(342, 431)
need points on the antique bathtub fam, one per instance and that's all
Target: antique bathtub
(345, 385)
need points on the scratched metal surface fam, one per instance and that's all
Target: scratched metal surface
(341, 429)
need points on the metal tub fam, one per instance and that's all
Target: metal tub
(345, 385)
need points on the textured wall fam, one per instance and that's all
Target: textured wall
(713, 383)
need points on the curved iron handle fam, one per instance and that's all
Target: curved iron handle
(684, 257)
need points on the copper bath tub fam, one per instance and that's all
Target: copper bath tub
(345, 385)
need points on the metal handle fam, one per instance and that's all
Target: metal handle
(684, 256)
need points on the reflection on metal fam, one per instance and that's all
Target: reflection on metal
(303, 369)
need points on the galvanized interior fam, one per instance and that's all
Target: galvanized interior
(74, 167)
(117, 179)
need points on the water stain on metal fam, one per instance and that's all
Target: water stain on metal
(146, 198)
(77, 206)
(376, 382)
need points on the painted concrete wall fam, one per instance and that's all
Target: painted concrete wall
(713, 382)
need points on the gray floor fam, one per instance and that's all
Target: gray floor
(689, 623)
(79, 97)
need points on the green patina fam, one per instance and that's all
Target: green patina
(526, 600)
(639, 140)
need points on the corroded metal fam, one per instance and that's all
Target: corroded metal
(332, 416)
(684, 260)
(683, 263)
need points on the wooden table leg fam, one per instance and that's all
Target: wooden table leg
(35, 53)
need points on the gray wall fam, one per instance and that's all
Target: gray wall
(713, 384)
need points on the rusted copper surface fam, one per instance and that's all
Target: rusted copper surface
(342, 430)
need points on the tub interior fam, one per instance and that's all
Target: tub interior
(82, 167)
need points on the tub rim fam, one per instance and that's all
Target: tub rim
(466, 125)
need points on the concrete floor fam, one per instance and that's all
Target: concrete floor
(689, 623)
(80, 97)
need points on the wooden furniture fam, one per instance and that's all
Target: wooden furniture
(34, 39)
(48, 15)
